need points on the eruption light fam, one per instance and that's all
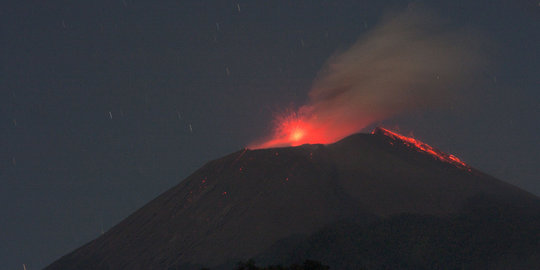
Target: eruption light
(421, 147)
(408, 62)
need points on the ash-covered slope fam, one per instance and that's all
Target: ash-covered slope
(251, 202)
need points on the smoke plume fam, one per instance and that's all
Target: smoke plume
(408, 62)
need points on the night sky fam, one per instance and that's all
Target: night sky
(106, 104)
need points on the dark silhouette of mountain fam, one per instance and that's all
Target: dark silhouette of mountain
(369, 201)
(307, 265)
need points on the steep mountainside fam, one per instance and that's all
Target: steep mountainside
(272, 204)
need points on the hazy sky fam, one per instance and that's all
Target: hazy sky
(106, 104)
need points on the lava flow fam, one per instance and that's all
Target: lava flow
(421, 146)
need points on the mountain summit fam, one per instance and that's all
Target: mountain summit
(373, 201)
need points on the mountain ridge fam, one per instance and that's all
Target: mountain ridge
(240, 205)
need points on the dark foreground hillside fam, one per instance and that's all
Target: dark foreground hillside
(369, 201)
(492, 238)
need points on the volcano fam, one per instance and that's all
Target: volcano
(368, 201)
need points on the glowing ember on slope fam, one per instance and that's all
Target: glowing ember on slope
(421, 146)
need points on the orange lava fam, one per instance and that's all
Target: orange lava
(292, 129)
(421, 146)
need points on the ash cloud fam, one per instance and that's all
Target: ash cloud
(409, 61)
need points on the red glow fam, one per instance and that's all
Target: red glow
(421, 146)
(293, 129)
(296, 134)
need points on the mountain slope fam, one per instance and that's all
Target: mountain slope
(247, 203)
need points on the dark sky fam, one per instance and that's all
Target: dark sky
(106, 104)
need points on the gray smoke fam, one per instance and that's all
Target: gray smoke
(409, 61)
